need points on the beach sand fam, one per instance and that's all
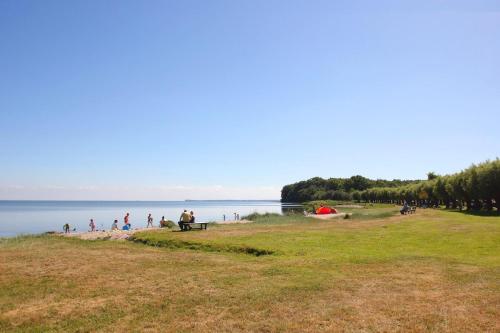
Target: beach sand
(124, 234)
(105, 234)
(327, 216)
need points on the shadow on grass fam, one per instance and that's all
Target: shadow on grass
(199, 246)
(475, 212)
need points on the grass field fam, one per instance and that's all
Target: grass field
(435, 271)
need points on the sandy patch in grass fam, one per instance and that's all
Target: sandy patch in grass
(327, 216)
(114, 235)
(125, 234)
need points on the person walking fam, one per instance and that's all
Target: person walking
(66, 228)
(150, 221)
(405, 208)
(92, 225)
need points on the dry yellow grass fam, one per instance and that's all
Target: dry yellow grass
(57, 284)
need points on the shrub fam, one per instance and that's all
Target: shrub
(256, 216)
(167, 224)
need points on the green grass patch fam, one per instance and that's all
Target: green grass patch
(368, 273)
(162, 240)
(445, 235)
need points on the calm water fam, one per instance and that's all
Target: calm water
(31, 217)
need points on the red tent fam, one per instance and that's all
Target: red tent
(325, 210)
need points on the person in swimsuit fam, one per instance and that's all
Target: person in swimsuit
(92, 225)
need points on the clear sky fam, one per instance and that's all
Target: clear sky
(233, 99)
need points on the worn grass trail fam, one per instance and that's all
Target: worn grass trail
(434, 271)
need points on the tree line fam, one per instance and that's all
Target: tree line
(475, 188)
(335, 188)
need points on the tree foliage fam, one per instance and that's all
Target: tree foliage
(477, 187)
(335, 188)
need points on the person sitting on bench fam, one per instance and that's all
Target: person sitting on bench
(184, 221)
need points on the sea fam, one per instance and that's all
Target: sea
(35, 217)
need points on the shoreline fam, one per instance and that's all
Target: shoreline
(125, 234)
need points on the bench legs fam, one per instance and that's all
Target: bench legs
(187, 226)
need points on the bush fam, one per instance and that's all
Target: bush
(256, 216)
(167, 224)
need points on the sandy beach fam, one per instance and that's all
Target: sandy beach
(124, 234)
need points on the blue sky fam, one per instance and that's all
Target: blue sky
(233, 99)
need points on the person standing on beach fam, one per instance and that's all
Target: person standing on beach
(92, 225)
(66, 228)
(150, 221)
(125, 219)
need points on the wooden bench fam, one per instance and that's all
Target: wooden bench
(196, 225)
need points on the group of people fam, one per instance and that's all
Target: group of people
(185, 219)
(126, 223)
(114, 226)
